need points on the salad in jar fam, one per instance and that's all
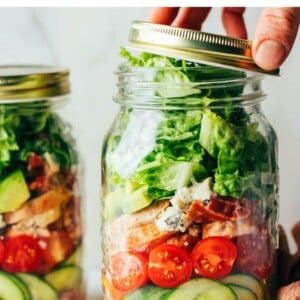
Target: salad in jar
(189, 185)
(40, 222)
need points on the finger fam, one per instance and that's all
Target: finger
(191, 17)
(290, 292)
(163, 15)
(296, 234)
(274, 36)
(233, 22)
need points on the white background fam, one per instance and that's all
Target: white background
(87, 41)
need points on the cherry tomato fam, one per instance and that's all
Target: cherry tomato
(1, 249)
(109, 288)
(213, 257)
(255, 254)
(169, 265)
(22, 253)
(128, 271)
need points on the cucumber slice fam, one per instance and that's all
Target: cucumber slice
(65, 278)
(242, 292)
(74, 258)
(142, 293)
(39, 288)
(12, 288)
(202, 289)
(221, 292)
(148, 292)
(248, 281)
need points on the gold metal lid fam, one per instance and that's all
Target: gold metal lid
(25, 82)
(194, 46)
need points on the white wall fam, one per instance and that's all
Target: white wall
(87, 40)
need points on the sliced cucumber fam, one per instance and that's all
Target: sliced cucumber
(202, 289)
(65, 278)
(12, 288)
(248, 281)
(221, 292)
(160, 294)
(142, 293)
(242, 293)
(148, 292)
(74, 258)
(39, 288)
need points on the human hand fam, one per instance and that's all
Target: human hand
(274, 35)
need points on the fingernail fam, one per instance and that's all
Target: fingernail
(270, 55)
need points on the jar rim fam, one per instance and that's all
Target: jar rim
(33, 82)
(126, 68)
(194, 45)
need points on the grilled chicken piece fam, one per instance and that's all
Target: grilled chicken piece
(35, 225)
(141, 238)
(141, 217)
(138, 231)
(40, 205)
(228, 229)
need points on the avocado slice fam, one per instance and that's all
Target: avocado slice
(125, 201)
(13, 192)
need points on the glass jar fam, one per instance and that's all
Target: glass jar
(40, 195)
(189, 186)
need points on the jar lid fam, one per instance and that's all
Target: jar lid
(33, 82)
(194, 45)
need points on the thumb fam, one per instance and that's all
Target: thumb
(274, 36)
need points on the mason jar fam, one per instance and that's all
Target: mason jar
(189, 183)
(40, 194)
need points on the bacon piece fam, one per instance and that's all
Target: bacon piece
(216, 210)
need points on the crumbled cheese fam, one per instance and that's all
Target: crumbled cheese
(172, 219)
(199, 191)
(202, 191)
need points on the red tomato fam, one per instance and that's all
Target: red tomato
(255, 254)
(169, 265)
(128, 271)
(1, 249)
(213, 257)
(35, 161)
(22, 253)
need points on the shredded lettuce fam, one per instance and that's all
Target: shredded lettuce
(23, 131)
(190, 145)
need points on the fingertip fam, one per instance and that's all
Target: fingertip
(163, 15)
(270, 54)
(274, 36)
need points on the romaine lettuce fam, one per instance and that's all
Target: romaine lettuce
(190, 145)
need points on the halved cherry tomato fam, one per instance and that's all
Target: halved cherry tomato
(255, 254)
(213, 257)
(128, 271)
(22, 253)
(169, 265)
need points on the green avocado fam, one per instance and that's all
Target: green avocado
(125, 201)
(13, 192)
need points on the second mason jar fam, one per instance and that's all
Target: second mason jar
(189, 184)
(40, 187)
